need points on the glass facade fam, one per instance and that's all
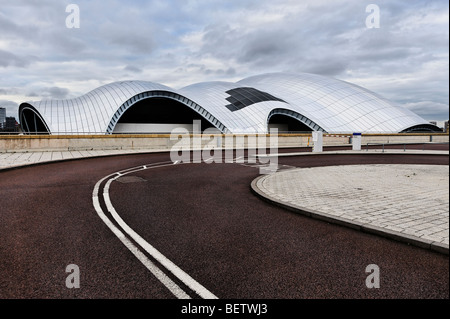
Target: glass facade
(317, 102)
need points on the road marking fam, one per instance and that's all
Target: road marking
(166, 281)
(164, 261)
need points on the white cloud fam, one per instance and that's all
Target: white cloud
(428, 109)
(181, 42)
(10, 106)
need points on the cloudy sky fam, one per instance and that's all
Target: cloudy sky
(181, 42)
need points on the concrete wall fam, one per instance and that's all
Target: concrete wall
(164, 142)
(405, 138)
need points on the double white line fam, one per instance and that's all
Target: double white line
(140, 244)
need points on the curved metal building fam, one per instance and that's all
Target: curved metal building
(289, 102)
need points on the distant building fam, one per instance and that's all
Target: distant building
(10, 124)
(2, 117)
(443, 125)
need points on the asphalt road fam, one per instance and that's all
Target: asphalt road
(203, 218)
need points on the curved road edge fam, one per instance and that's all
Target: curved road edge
(338, 220)
(37, 158)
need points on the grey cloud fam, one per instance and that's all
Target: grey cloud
(57, 92)
(134, 42)
(328, 38)
(9, 91)
(221, 41)
(325, 39)
(8, 27)
(6, 103)
(11, 107)
(29, 20)
(65, 44)
(10, 59)
(329, 68)
(53, 92)
(429, 110)
(124, 37)
(265, 47)
(39, 25)
(229, 72)
(304, 42)
(202, 68)
(12, 30)
(133, 69)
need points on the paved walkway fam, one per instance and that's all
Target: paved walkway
(406, 202)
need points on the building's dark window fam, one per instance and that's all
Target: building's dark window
(423, 128)
(163, 110)
(243, 97)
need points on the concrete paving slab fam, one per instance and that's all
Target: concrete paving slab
(403, 202)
